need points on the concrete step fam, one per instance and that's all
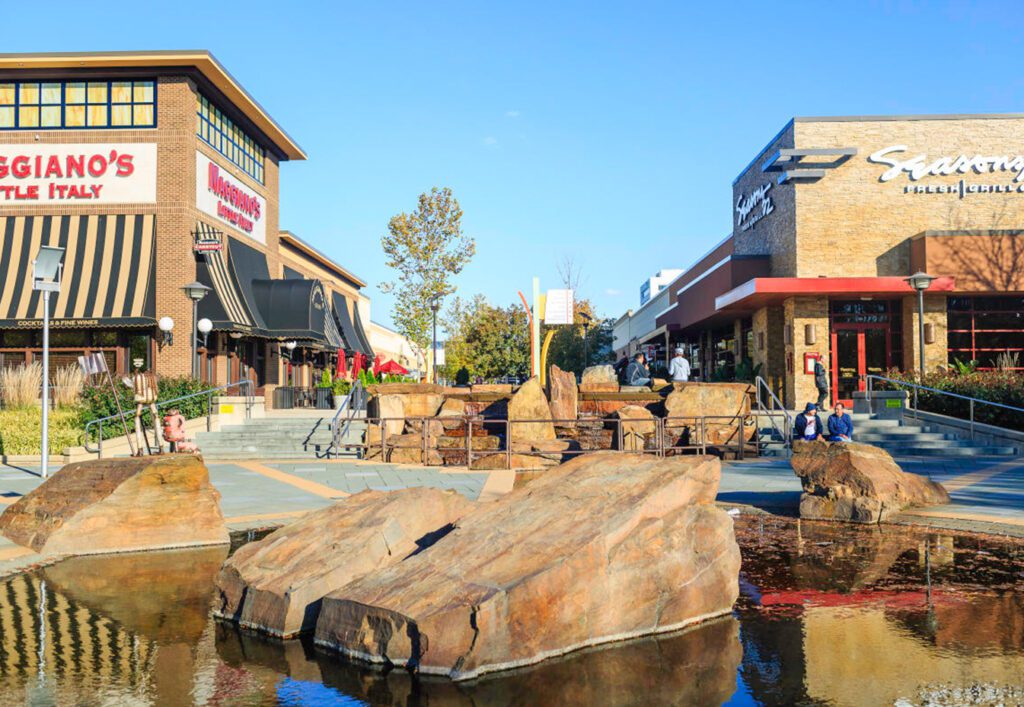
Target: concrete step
(873, 437)
(954, 452)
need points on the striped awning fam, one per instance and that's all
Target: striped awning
(109, 265)
(333, 334)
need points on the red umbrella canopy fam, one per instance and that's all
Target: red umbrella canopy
(376, 365)
(393, 368)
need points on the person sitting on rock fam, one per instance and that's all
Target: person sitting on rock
(807, 425)
(840, 425)
(637, 373)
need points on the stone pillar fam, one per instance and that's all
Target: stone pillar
(935, 353)
(769, 351)
(798, 313)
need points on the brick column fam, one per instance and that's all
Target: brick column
(799, 312)
(935, 353)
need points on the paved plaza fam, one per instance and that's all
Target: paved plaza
(987, 493)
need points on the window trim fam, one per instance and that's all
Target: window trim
(258, 155)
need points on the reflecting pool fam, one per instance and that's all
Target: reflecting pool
(827, 615)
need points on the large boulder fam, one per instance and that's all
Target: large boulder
(599, 374)
(390, 409)
(119, 505)
(275, 584)
(637, 426)
(857, 482)
(564, 394)
(720, 403)
(599, 549)
(529, 403)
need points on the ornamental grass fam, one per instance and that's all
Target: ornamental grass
(20, 386)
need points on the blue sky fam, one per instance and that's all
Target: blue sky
(606, 131)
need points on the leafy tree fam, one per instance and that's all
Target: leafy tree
(567, 350)
(485, 340)
(427, 248)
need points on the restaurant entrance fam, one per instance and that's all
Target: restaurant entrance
(865, 340)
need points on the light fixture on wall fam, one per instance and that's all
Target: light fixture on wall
(810, 335)
(166, 325)
(760, 341)
(205, 326)
(929, 333)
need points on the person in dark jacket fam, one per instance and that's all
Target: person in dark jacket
(807, 425)
(821, 382)
(840, 425)
(636, 371)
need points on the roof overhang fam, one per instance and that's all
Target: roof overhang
(762, 291)
(198, 59)
(310, 252)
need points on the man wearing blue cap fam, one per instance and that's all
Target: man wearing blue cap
(807, 425)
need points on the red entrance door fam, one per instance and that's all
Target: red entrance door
(857, 350)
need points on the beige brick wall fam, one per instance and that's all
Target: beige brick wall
(799, 312)
(851, 224)
(768, 323)
(935, 314)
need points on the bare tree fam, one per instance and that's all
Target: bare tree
(570, 272)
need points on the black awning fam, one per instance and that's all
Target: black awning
(360, 332)
(248, 266)
(349, 332)
(224, 305)
(292, 309)
(109, 270)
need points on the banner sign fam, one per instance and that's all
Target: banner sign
(102, 173)
(92, 364)
(558, 308)
(221, 195)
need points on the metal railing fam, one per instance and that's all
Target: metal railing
(244, 384)
(656, 435)
(353, 403)
(972, 402)
(288, 397)
(770, 405)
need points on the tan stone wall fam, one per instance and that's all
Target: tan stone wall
(775, 234)
(851, 224)
(768, 323)
(935, 355)
(800, 311)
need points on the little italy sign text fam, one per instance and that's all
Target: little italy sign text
(917, 167)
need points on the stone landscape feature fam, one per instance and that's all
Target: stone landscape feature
(857, 482)
(119, 505)
(605, 547)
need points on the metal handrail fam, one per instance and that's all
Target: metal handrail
(244, 383)
(776, 406)
(972, 401)
(339, 432)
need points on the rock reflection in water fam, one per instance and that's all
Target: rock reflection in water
(697, 666)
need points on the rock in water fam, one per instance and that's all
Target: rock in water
(602, 548)
(857, 482)
(529, 403)
(119, 505)
(275, 585)
(564, 395)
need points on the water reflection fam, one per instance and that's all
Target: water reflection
(828, 615)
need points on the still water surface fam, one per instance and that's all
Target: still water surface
(828, 615)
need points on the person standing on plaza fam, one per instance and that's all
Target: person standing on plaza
(840, 425)
(679, 369)
(636, 372)
(821, 382)
(807, 425)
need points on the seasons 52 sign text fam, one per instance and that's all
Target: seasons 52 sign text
(220, 194)
(752, 207)
(96, 174)
(919, 166)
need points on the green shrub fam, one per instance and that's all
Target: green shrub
(98, 401)
(1005, 387)
(325, 380)
(341, 388)
(21, 428)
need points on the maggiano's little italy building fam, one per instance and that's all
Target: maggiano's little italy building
(829, 219)
(154, 170)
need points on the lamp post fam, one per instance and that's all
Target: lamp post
(920, 281)
(195, 291)
(46, 276)
(435, 305)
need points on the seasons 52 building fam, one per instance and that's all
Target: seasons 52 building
(153, 170)
(829, 219)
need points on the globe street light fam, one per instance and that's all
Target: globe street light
(195, 291)
(166, 325)
(46, 276)
(920, 281)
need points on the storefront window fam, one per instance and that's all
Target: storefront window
(14, 339)
(104, 338)
(221, 133)
(69, 337)
(26, 105)
(138, 347)
(989, 330)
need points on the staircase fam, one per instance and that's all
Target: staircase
(278, 436)
(909, 440)
(914, 440)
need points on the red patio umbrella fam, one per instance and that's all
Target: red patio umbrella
(342, 367)
(393, 368)
(357, 364)
(376, 365)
